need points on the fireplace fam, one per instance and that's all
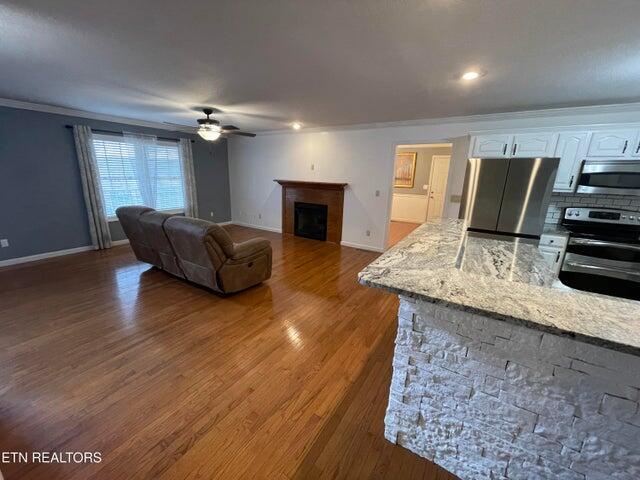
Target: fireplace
(310, 220)
(312, 209)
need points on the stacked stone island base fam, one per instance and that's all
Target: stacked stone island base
(488, 399)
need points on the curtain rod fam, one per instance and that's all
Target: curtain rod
(97, 130)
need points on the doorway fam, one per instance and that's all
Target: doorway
(419, 186)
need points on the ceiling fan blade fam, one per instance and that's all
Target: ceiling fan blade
(244, 134)
(230, 127)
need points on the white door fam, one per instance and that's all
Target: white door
(437, 185)
(534, 145)
(491, 146)
(613, 143)
(572, 148)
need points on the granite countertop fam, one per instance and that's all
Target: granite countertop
(440, 262)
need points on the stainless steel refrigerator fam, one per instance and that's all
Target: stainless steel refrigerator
(508, 195)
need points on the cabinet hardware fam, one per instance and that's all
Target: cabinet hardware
(638, 149)
(504, 150)
(557, 257)
(626, 143)
(515, 146)
(571, 181)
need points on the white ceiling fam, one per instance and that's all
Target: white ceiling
(323, 62)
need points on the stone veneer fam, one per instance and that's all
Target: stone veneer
(488, 399)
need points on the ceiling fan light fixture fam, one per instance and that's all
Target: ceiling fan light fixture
(210, 132)
(296, 125)
(471, 75)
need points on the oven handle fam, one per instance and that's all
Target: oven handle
(603, 243)
(611, 167)
(598, 270)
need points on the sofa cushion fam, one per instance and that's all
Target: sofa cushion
(152, 224)
(129, 218)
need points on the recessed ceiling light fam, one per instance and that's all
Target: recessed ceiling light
(296, 125)
(470, 75)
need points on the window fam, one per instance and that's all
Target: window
(135, 174)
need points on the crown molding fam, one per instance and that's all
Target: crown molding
(40, 107)
(521, 114)
(424, 145)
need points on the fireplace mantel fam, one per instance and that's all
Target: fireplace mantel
(321, 193)
(304, 184)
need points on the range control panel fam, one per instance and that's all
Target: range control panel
(602, 215)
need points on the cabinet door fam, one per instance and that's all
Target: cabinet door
(491, 146)
(534, 145)
(613, 143)
(572, 148)
(553, 256)
(635, 151)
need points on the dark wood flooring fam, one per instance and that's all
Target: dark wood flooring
(289, 379)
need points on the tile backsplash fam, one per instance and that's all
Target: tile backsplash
(561, 200)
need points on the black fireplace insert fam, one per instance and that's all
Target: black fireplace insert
(310, 220)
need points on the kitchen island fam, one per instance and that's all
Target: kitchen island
(499, 370)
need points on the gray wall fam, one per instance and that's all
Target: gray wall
(41, 203)
(423, 167)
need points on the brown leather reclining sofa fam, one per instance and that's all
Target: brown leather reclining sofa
(197, 250)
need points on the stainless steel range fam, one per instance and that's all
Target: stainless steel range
(603, 253)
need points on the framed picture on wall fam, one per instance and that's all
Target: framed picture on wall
(405, 169)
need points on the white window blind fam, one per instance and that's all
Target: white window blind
(134, 175)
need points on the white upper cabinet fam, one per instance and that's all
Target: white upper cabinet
(572, 148)
(635, 151)
(534, 145)
(613, 143)
(491, 146)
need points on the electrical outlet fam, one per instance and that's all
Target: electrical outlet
(211, 213)
(260, 216)
(4, 242)
(313, 167)
(368, 233)
(377, 193)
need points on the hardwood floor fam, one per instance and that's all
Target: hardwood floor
(289, 379)
(399, 230)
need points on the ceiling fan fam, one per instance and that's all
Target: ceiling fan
(211, 130)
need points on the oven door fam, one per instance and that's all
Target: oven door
(602, 266)
(611, 177)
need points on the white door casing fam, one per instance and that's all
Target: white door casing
(438, 185)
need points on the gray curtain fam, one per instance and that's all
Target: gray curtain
(98, 225)
(190, 195)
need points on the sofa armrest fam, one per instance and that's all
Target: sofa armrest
(249, 248)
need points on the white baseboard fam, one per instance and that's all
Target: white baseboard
(42, 256)
(259, 227)
(115, 243)
(225, 223)
(362, 247)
